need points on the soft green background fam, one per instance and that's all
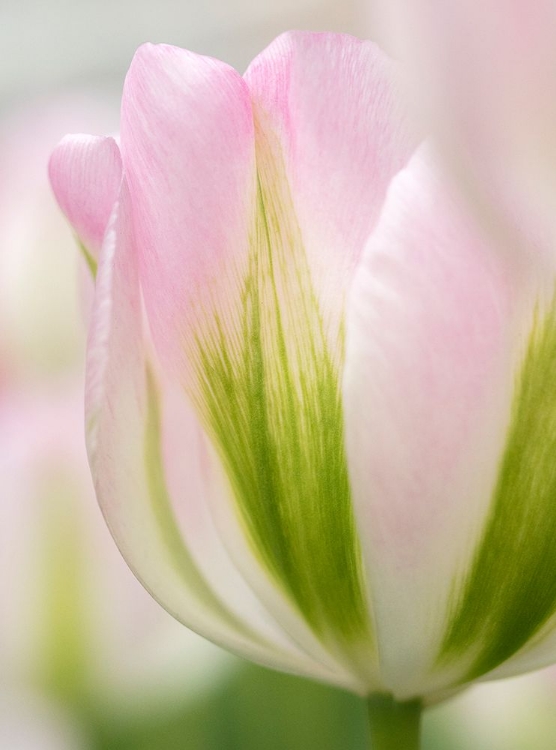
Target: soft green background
(256, 709)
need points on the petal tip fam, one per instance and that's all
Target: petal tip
(85, 173)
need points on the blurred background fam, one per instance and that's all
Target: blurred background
(87, 660)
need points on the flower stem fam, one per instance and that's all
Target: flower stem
(394, 726)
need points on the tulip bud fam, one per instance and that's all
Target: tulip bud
(319, 409)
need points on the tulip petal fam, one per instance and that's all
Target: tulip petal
(85, 173)
(509, 592)
(226, 281)
(188, 149)
(330, 102)
(124, 424)
(432, 347)
(537, 653)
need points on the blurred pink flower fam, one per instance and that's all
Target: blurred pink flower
(483, 76)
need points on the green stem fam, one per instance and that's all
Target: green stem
(394, 726)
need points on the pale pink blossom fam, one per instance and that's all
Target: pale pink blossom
(319, 404)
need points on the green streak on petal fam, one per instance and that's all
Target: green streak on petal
(510, 591)
(163, 512)
(269, 393)
(89, 259)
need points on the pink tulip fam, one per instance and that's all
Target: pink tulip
(319, 409)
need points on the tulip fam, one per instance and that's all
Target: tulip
(319, 410)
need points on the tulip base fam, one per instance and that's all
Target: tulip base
(393, 725)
